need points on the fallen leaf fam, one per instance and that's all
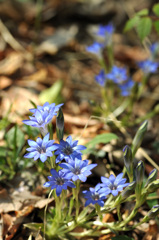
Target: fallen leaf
(59, 39)
(11, 63)
(5, 82)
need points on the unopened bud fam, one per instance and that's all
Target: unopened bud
(152, 187)
(153, 212)
(128, 190)
(139, 137)
(128, 162)
(60, 125)
(140, 172)
(152, 176)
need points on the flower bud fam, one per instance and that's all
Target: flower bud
(128, 162)
(60, 125)
(152, 176)
(140, 172)
(128, 190)
(153, 212)
(139, 137)
(152, 187)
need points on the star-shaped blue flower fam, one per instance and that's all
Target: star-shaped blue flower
(106, 32)
(148, 66)
(126, 87)
(103, 30)
(95, 48)
(68, 149)
(42, 116)
(118, 74)
(93, 196)
(101, 78)
(113, 184)
(154, 48)
(77, 169)
(49, 108)
(42, 148)
(59, 181)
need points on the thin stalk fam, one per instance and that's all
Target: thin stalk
(76, 197)
(119, 212)
(98, 212)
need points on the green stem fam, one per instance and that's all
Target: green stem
(76, 197)
(106, 100)
(118, 212)
(58, 201)
(98, 212)
(142, 86)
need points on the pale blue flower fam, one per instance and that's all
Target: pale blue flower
(101, 78)
(77, 169)
(117, 74)
(42, 148)
(148, 66)
(113, 184)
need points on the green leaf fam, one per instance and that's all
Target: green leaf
(131, 23)
(155, 9)
(152, 202)
(83, 214)
(34, 226)
(15, 137)
(123, 237)
(102, 138)
(52, 94)
(143, 12)
(144, 27)
(156, 25)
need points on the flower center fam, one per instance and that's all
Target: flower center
(113, 187)
(95, 197)
(60, 181)
(76, 171)
(41, 150)
(67, 150)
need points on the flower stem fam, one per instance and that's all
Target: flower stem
(98, 212)
(76, 197)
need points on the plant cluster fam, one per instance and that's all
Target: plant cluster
(114, 78)
(68, 170)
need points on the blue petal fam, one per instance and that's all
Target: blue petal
(29, 155)
(43, 157)
(88, 202)
(114, 192)
(32, 143)
(58, 190)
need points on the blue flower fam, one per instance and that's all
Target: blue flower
(126, 87)
(118, 74)
(42, 148)
(148, 66)
(101, 78)
(93, 196)
(39, 120)
(95, 48)
(113, 184)
(42, 116)
(59, 181)
(49, 108)
(77, 169)
(106, 33)
(68, 149)
(154, 48)
(103, 30)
